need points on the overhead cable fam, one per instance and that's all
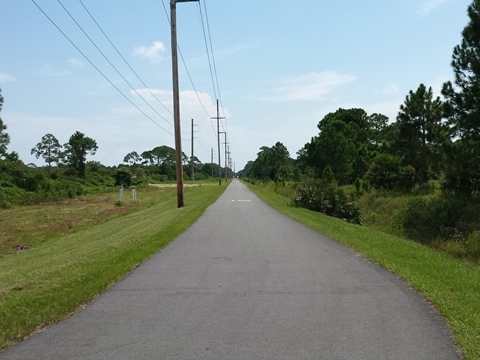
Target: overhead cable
(96, 68)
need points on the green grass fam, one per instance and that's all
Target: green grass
(451, 284)
(54, 278)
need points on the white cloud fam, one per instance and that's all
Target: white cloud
(152, 53)
(6, 77)
(165, 96)
(427, 6)
(192, 104)
(391, 89)
(313, 86)
(76, 63)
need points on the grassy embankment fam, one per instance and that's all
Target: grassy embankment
(451, 284)
(74, 250)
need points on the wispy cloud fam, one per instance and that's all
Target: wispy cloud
(152, 52)
(390, 89)
(313, 86)
(193, 104)
(6, 77)
(427, 6)
(76, 63)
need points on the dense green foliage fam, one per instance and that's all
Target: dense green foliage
(49, 149)
(326, 197)
(343, 144)
(272, 164)
(76, 150)
(431, 142)
(421, 135)
(463, 109)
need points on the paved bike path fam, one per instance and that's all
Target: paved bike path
(245, 282)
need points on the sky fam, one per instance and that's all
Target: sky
(277, 68)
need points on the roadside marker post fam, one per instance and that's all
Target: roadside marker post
(134, 194)
(120, 195)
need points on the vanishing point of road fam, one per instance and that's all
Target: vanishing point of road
(245, 282)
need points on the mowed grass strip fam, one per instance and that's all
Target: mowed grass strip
(52, 280)
(452, 285)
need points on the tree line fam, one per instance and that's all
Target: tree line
(67, 173)
(430, 139)
(427, 161)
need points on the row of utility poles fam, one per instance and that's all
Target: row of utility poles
(228, 159)
(176, 115)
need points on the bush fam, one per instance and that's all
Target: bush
(123, 178)
(327, 198)
(200, 176)
(473, 244)
(446, 218)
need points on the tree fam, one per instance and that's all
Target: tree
(378, 124)
(76, 151)
(163, 155)
(345, 143)
(421, 133)
(463, 107)
(49, 148)
(4, 137)
(132, 158)
(272, 163)
(387, 172)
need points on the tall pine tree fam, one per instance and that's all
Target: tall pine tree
(4, 137)
(463, 108)
(421, 133)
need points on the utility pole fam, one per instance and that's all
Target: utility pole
(225, 148)
(218, 140)
(228, 159)
(176, 101)
(192, 158)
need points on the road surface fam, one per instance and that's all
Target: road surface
(245, 282)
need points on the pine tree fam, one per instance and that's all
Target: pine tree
(4, 137)
(463, 107)
(421, 133)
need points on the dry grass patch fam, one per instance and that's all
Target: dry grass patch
(25, 227)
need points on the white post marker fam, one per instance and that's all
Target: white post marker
(121, 194)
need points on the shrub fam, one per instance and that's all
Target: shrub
(473, 244)
(326, 198)
(449, 217)
(123, 178)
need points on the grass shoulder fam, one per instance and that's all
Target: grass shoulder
(451, 284)
(54, 277)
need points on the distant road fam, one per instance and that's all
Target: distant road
(246, 282)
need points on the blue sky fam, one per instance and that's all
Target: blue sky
(281, 67)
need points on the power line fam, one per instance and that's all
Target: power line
(214, 64)
(125, 61)
(111, 64)
(186, 68)
(96, 68)
(206, 48)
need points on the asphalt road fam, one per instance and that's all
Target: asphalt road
(245, 282)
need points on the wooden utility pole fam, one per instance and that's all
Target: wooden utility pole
(176, 101)
(218, 139)
(225, 149)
